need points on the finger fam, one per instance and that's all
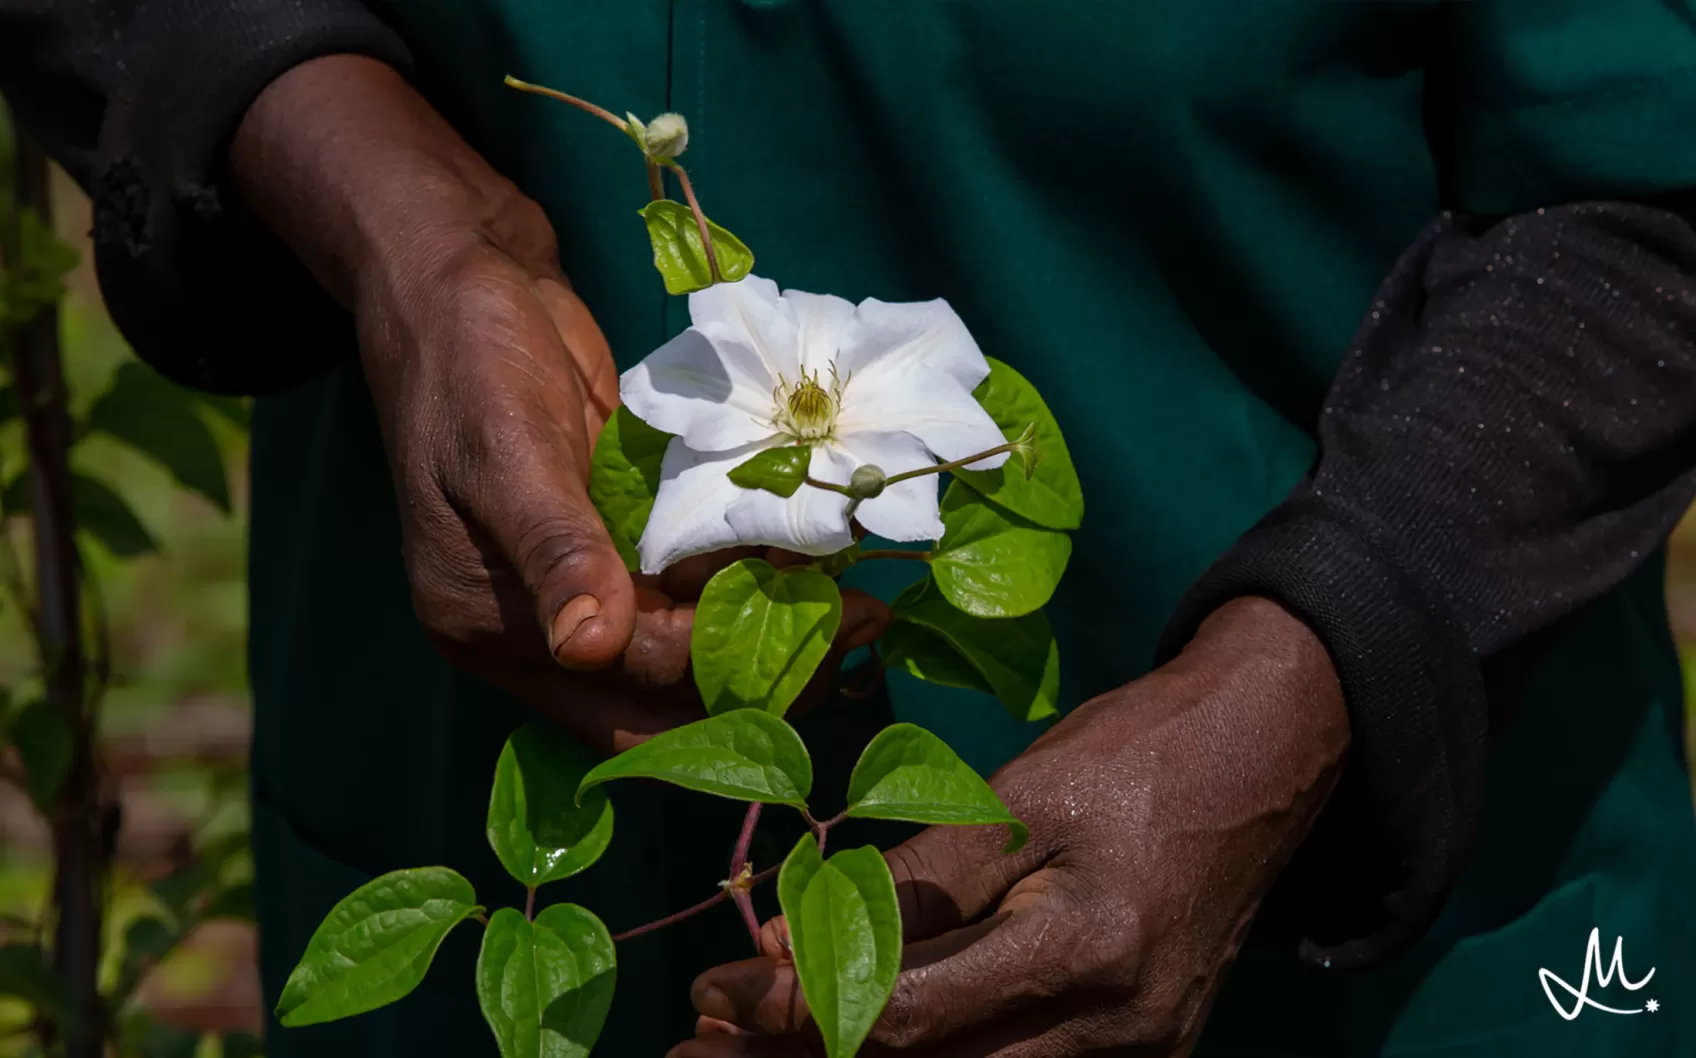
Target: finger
(864, 618)
(952, 988)
(587, 347)
(537, 511)
(686, 579)
(948, 876)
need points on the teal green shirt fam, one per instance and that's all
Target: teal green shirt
(1171, 218)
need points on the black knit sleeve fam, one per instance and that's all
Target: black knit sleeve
(138, 100)
(1511, 434)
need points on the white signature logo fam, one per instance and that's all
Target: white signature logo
(1604, 977)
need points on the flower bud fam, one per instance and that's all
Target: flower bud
(866, 482)
(667, 136)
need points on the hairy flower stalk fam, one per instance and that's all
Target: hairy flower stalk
(876, 385)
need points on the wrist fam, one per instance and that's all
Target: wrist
(1272, 691)
(366, 182)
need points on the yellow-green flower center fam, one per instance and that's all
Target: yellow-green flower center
(806, 410)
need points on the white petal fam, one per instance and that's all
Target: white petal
(812, 521)
(895, 336)
(689, 508)
(907, 510)
(820, 318)
(930, 406)
(750, 313)
(716, 395)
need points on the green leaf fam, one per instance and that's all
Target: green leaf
(760, 634)
(243, 1045)
(374, 946)
(909, 774)
(780, 470)
(107, 517)
(163, 421)
(992, 563)
(536, 827)
(1014, 658)
(624, 476)
(24, 973)
(147, 1037)
(236, 411)
(1049, 494)
(678, 253)
(36, 281)
(747, 755)
(545, 988)
(146, 941)
(47, 744)
(845, 929)
(233, 902)
(99, 511)
(930, 657)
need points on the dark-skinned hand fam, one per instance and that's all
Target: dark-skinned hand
(1159, 815)
(491, 381)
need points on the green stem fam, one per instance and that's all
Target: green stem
(700, 218)
(581, 104)
(906, 475)
(828, 486)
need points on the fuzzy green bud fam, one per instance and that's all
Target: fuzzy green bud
(667, 136)
(866, 483)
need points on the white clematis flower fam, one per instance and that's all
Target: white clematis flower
(878, 383)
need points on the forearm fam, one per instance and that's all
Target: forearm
(1510, 436)
(359, 175)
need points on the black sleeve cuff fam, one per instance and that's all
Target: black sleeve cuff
(1392, 840)
(200, 288)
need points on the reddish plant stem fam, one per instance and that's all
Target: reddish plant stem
(893, 552)
(738, 865)
(689, 912)
(656, 181)
(530, 903)
(581, 104)
(700, 220)
(739, 855)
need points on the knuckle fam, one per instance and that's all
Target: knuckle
(904, 1025)
(553, 548)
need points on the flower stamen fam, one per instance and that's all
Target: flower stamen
(806, 410)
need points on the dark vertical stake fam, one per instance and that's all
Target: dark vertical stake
(78, 848)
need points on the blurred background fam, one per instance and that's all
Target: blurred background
(175, 719)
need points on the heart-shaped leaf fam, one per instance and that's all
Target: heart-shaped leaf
(845, 932)
(780, 470)
(25, 974)
(536, 827)
(545, 987)
(746, 755)
(375, 946)
(908, 773)
(677, 248)
(760, 634)
(162, 420)
(1046, 490)
(45, 742)
(1014, 658)
(993, 563)
(624, 476)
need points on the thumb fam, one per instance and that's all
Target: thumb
(550, 534)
